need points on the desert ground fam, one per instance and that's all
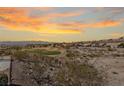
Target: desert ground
(68, 64)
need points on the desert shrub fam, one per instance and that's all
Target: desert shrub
(50, 71)
(121, 45)
(78, 74)
(70, 53)
(40, 70)
(16, 47)
(3, 79)
(68, 74)
(110, 49)
(38, 73)
(43, 52)
(20, 55)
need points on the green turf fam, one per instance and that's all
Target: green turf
(44, 52)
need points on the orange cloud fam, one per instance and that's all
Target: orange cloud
(68, 14)
(108, 23)
(101, 24)
(19, 19)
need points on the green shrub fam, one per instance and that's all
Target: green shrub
(121, 45)
(43, 52)
(3, 79)
(20, 55)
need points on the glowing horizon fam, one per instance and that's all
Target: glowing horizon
(60, 24)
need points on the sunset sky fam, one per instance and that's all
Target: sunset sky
(60, 24)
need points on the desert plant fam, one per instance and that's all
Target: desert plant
(3, 79)
(121, 45)
(78, 74)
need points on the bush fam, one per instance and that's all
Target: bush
(20, 55)
(43, 52)
(3, 79)
(74, 74)
(121, 45)
(71, 54)
(51, 71)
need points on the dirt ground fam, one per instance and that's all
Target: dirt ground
(113, 67)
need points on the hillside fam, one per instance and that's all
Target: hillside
(77, 63)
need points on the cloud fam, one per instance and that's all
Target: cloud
(100, 24)
(65, 14)
(19, 19)
(42, 8)
(116, 34)
(107, 23)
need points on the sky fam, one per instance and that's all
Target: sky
(61, 24)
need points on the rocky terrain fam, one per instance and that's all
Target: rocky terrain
(80, 63)
(54, 71)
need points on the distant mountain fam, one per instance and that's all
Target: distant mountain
(24, 43)
(121, 39)
(21, 43)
